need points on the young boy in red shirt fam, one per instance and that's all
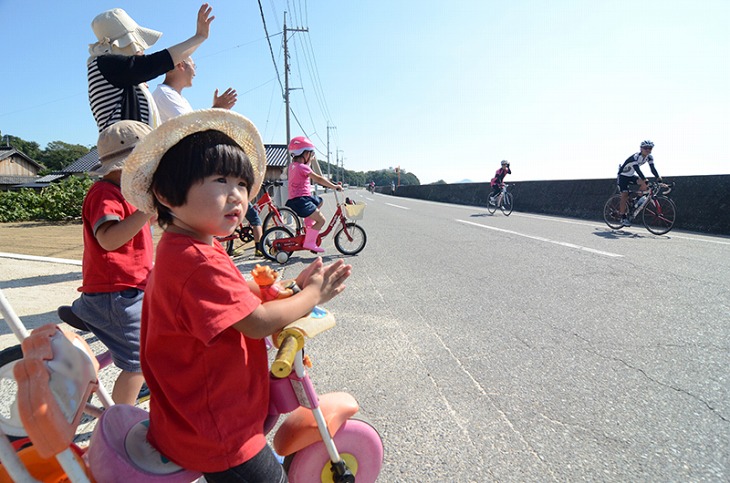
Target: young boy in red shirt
(203, 326)
(117, 259)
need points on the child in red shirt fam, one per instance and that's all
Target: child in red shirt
(203, 325)
(117, 259)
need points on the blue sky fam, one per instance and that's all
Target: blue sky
(563, 89)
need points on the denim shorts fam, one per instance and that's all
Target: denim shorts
(304, 205)
(115, 319)
(252, 216)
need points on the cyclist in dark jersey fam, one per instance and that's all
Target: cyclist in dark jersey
(627, 175)
(498, 180)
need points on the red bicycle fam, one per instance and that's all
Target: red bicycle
(279, 242)
(276, 217)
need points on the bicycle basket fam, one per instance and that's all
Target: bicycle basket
(355, 212)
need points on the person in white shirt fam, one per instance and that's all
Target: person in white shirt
(168, 95)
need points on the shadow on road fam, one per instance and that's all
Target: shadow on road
(41, 280)
(616, 234)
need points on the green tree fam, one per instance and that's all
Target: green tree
(59, 154)
(30, 148)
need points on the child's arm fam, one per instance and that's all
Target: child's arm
(322, 284)
(113, 234)
(324, 181)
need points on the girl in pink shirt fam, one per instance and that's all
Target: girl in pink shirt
(301, 200)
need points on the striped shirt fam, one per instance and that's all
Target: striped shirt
(114, 86)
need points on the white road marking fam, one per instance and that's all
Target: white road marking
(40, 259)
(539, 238)
(397, 206)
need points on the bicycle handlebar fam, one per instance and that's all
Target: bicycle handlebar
(290, 342)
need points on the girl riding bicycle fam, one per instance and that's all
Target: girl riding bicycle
(301, 199)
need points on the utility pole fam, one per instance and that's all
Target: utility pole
(328, 150)
(342, 165)
(286, 77)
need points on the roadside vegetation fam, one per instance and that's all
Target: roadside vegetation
(57, 202)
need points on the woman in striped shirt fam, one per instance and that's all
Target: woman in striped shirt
(118, 67)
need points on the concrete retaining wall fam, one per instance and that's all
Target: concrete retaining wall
(703, 202)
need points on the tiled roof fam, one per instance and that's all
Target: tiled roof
(276, 155)
(5, 180)
(84, 163)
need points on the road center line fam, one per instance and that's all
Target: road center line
(397, 206)
(539, 238)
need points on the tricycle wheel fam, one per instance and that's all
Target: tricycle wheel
(358, 443)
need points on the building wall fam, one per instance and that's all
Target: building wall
(15, 165)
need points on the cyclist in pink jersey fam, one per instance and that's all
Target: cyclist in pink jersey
(301, 199)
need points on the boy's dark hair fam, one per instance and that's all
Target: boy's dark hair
(193, 158)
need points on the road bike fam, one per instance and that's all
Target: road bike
(503, 201)
(243, 234)
(658, 212)
(320, 439)
(279, 242)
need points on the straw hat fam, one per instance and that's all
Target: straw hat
(141, 165)
(117, 28)
(116, 142)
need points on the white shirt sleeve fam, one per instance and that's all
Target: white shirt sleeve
(170, 103)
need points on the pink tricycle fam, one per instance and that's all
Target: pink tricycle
(319, 438)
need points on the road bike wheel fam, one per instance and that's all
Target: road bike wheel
(659, 214)
(347, 246)
(358, 443)
(491, 207)
(612, 212)
(268, 238)
(286, 218)
(507, 204)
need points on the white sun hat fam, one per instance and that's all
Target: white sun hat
(115, 27)
(140, 166)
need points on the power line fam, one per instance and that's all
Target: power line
(268, 40)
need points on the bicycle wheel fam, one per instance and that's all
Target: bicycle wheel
(491, 207)
(507, 204)
(275, 233)
(358, 443)
(9, 421)
(286, 218)
(612, 213)
(352, 244)
(659, 215)
(244, 235)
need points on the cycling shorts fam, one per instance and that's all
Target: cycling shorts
(623, 182)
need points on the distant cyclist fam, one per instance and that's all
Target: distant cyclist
(627, 175)
(497, 182)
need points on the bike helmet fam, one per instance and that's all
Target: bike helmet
(300, 144)
(505, 162)
(647, 144)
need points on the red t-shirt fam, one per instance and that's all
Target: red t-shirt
(128, 265)
(209, 383)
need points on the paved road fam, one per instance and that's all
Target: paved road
(529, 348)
